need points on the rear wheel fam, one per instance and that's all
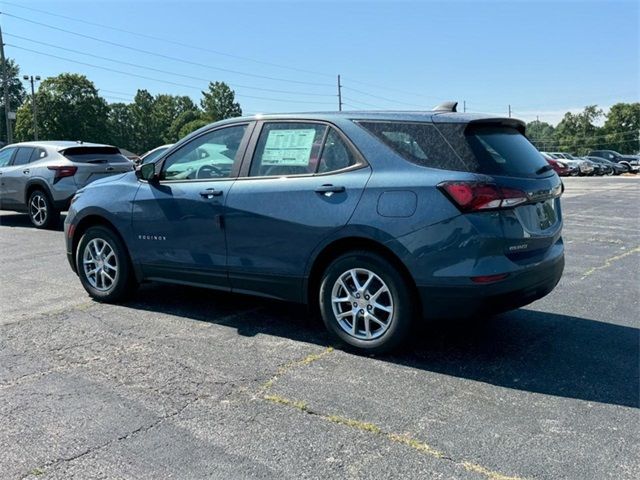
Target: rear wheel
(103, 265)
(365, 302)
(41, 210)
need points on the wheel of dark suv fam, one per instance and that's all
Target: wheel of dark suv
(103, 265)
(41, 210)
(365, 302)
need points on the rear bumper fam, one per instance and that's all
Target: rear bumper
(518, 289)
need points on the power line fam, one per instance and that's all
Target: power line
(193, 87)
(379, 97)
(167, 72)
(174, 42)
(619, 132)
(167, 57)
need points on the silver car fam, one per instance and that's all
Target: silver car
(40, 178)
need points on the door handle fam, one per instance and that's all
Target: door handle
(109, 169)
(210, 193)
(25, 171)
(328, 189)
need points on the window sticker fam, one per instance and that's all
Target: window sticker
(289, 147)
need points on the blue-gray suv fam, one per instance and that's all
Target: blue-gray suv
(377, 218)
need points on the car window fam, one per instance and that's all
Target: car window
(5, 156)
(417, 142)
(335, 154)
(154, 155)
(23, 155)
(90, 154)
(38, 154)
(288, 149)
(211, 155)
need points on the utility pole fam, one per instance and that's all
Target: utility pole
(509, 110)
(34, 108)
(5, 93)
(339, 95)
(464, 106)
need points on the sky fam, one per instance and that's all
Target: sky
(542, 58)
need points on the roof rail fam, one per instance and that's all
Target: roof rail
(446, 107)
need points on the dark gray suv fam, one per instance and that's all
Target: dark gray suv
(377, 218)
(41, 177)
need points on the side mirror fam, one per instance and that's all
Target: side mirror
(147, 171)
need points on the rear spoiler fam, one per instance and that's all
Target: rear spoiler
(500, 122)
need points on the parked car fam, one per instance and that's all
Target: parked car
(371, 216)
(578, 167)
(130, 155)
(40, 178)
(598, 169)
(631, 161)
(153, 155)
(614, 168)
(560, 167)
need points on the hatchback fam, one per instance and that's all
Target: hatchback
(377, 218)
(40, 178)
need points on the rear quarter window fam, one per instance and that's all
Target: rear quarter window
(418, 142)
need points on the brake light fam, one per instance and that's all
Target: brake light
(61, 172)
(474, 196)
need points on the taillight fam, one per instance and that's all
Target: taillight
(61, 172)
(474, 196)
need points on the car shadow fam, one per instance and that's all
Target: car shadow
(525, 349)
(22, 220)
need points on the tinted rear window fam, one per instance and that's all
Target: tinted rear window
(504, 151)
(94, 155)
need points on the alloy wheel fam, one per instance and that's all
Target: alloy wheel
(100, 264)
(38, 209)
(362, 304)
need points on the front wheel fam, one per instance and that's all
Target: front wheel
(365, 302)
(103, 265)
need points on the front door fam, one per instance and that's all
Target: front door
(6, 155)
(178, 220)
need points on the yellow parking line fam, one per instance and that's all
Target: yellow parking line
(609, 261)
(367, 427)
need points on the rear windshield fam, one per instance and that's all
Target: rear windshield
(497, 150)
(95, 155)
(504, 151)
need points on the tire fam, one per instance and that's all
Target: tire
(42, 213)
(391, 327)
(117, 282)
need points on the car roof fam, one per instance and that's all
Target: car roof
(58, 144)
(389, 115)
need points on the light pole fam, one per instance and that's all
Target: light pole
(34, 107)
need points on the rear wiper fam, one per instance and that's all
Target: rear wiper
(543, 169)
(98, 160)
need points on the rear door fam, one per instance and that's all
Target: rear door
(301, 184)
(94, 162)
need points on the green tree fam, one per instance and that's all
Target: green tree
(69, 108)
(577, 132)
(120, 127)
(540, 134)
(193, 126)
(219, 102)
(174, 133)
(16, 93)
(622, 128)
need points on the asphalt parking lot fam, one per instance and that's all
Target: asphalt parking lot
(188, 383)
